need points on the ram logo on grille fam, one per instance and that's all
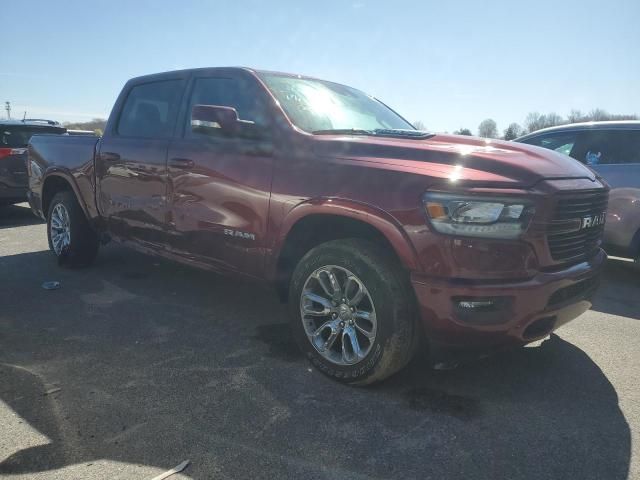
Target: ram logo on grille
(575, 231)
(593, 220)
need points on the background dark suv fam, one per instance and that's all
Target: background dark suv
(14, 137)
(612, 149)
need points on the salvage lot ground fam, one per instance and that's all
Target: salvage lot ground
(137, 364)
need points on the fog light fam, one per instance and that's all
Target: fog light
(482, 310)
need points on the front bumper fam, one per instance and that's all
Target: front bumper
(520, 311)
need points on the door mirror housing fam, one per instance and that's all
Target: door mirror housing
(216, 119)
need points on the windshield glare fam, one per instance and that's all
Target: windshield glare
(314, 105)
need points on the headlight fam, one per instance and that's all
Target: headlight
(477, 216)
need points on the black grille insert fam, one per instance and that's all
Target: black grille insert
(568, 237)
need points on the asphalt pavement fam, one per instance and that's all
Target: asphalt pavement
(136, 364)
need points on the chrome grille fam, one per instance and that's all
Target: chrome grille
(567, 239)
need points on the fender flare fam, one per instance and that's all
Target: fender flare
(377, 218)
(70, 179)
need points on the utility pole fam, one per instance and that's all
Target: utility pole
(7, 107)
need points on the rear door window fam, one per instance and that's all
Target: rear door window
(150, 110)
(608, 147)
(17, 136)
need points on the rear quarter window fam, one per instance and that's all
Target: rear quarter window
(17, 136)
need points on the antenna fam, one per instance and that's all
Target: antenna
(24, 116)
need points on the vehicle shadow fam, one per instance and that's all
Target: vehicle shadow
(27, 396)
(17, 215)
(536, 412)
(619, 291)
(158, 363)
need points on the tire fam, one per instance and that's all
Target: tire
(80, 246)
(384, 345)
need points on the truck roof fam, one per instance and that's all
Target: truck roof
(572, 127)
(155, 76)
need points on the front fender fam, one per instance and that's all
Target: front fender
(382, 221)
(623, 218)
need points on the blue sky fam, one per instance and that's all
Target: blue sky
(448, 64)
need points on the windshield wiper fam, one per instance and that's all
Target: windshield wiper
(378, 132)
(404, 133)
(344, 131)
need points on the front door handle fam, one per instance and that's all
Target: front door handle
(109, 156)
(181, 163)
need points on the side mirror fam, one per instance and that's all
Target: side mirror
(211, 119)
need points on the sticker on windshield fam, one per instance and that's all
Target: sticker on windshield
(592, 158)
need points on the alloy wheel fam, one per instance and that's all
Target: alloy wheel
(60, 228)
(338, 315)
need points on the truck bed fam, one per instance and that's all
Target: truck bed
(70, 157)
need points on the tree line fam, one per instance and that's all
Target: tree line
(536, 121)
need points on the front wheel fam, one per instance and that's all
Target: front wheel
(352, 311)
(71, 238)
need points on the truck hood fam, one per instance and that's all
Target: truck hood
(455, 158)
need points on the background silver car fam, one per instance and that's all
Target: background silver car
(612, 149)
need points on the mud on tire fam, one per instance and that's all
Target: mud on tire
(393, 302)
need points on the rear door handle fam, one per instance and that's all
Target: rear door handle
(109, 156)
(181, 163)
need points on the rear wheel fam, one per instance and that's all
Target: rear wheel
(71, 239)
(352, 311)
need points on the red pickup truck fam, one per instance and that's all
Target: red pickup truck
(381, 238)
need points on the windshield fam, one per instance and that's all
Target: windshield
(316, 105)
